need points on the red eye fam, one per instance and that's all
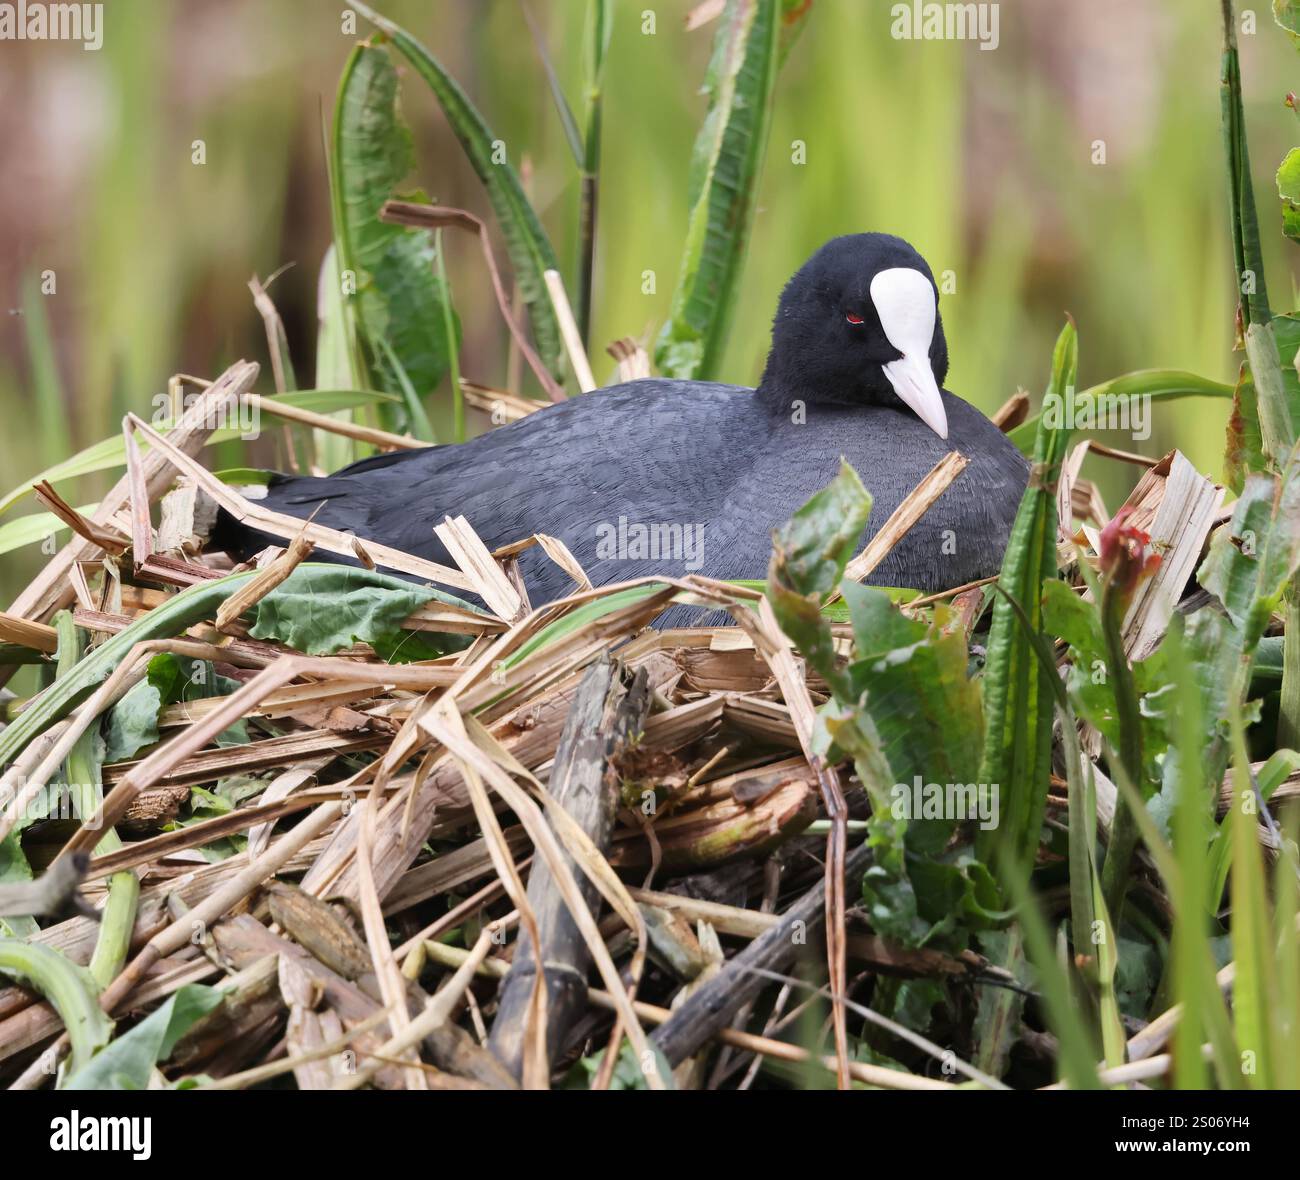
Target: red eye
(853, 319)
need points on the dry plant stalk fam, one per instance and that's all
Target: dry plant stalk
(569, 331)
(914, 506)
(248, 596)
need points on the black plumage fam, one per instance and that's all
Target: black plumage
(677, 477)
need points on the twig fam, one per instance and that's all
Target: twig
(710, 1008)
(872, 1075)
(605, 713)
(51, 893)
(915, 505)
(569, 331)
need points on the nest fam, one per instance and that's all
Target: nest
(367, 874)
(394, 830)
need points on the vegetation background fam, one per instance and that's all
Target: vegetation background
(983, 159)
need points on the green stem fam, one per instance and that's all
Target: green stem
(598, 30)
(116, 925)
(453, 352)
(86, 786)
(343, 257)
(66, 987)
(1288, 712)
(587, 232)
(1124, 827)
(587, 215)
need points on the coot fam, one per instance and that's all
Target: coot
(679, 477)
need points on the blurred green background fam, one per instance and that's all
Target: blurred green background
(984, 160)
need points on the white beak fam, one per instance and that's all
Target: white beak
(905, 302)
(913, 381)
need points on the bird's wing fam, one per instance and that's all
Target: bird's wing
(644, 448)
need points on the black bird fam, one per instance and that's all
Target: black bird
(679, 477)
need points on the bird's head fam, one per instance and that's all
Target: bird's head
(859, 324)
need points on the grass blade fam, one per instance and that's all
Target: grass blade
(1254, 987)
(47, 389)
(1156, 384)
(600, 23)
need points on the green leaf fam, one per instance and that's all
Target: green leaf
(903, 710)
(1268, 385)
(1077, 620)
(330, 401)
(417, 419)
(14, 869)
(51, 428)
(1288, 188)
(1156, 384)
(926, 708)
(599, 28)
(1191, 966)
(725, 167)
(399, 296)
(34, 528)
(1249, 563)
(338, 351)
(245, 476)
(1280, 766)
(809, 554)
(1254, 984)
(1251, 558)
(1247, 255)
(1077, 1052)
(1018, 697)
(70, 990)
(529, 248)
(997, 1018)
(1244, 449)
(132, 723)
(626, 1075)
(324, 610)
(333, 347)
(127, 1062)
(570, 125)
(580, 617)
(815, 545)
